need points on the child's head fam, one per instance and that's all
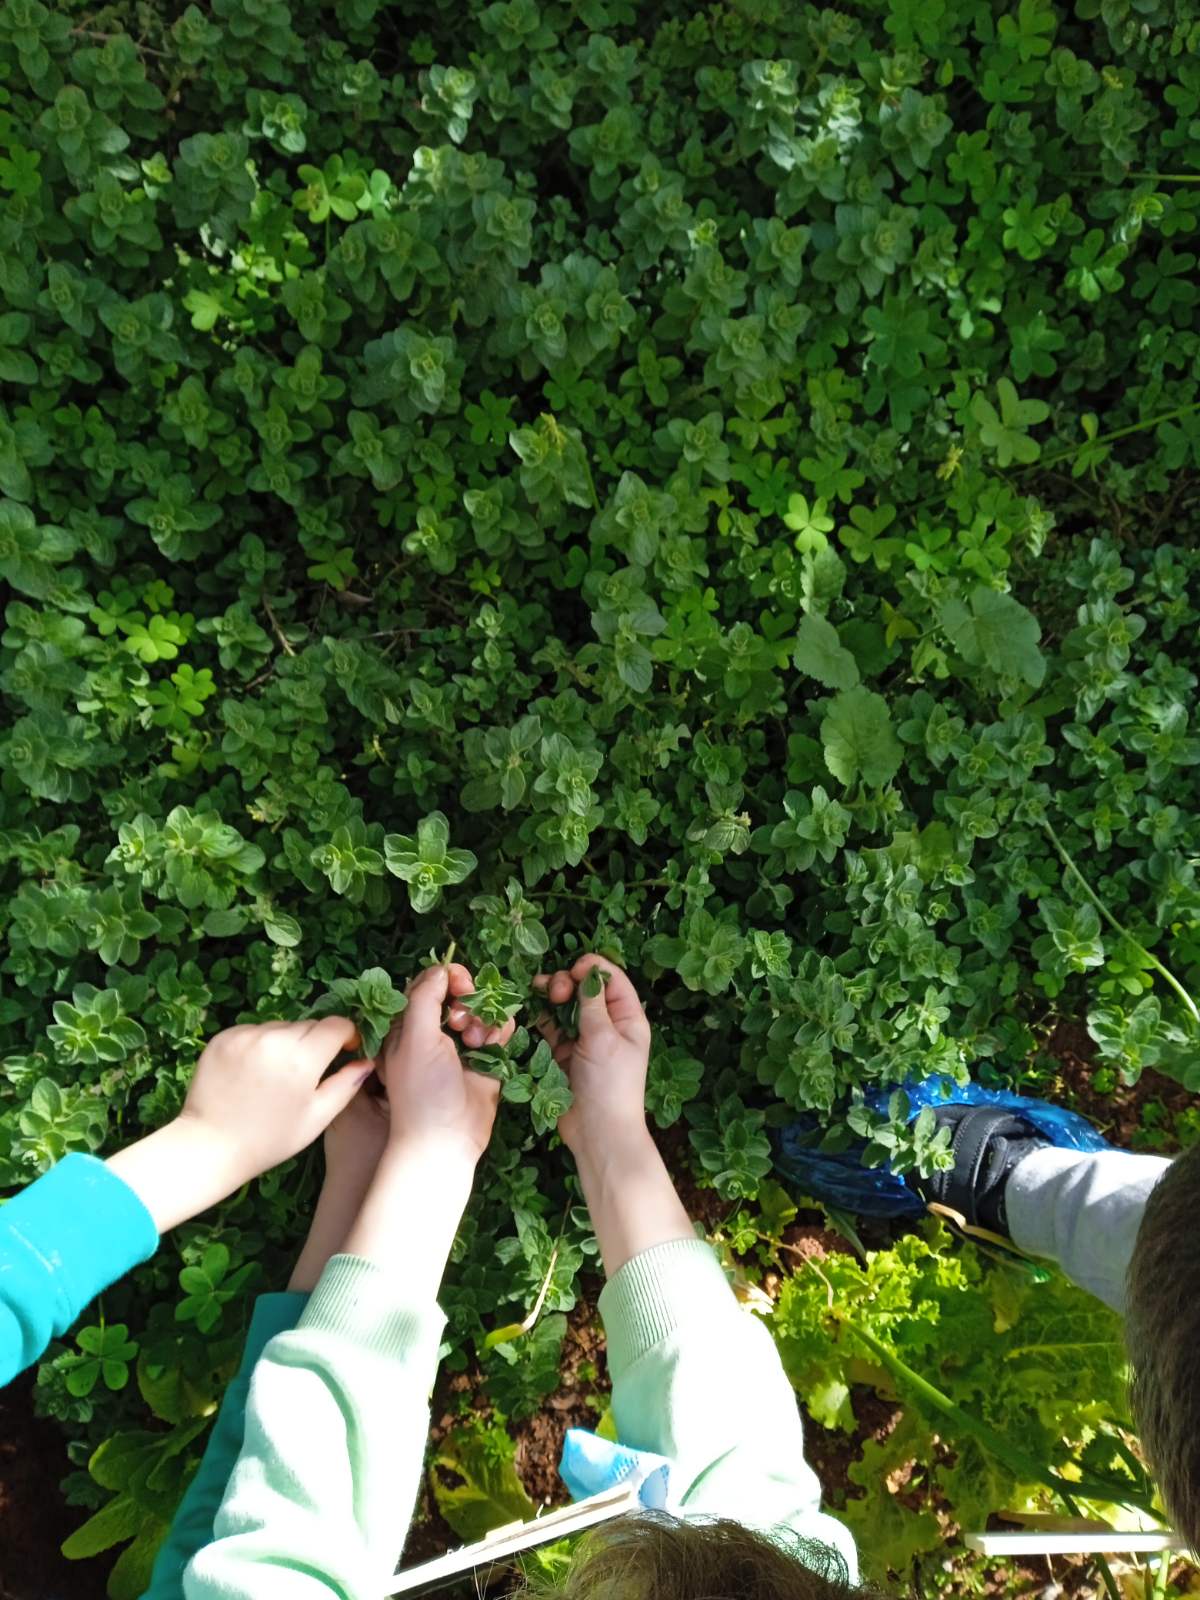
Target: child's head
(1162, 1329)
(652, 1556)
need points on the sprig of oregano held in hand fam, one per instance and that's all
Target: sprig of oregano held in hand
(567, 1015)
(494, 1000)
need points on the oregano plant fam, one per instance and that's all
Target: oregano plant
(715, 487)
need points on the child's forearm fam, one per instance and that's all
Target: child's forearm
(412, 1210)
(338, 1204)
(179, 1170)
(632, 1201)
(357, 1370)
(337, 1207)
(63, 1240)
(335, 1427)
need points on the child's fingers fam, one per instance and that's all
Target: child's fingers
(318, 1042)
(339, 1089)
(460, 982)
(501, 1035)
(549, 1030)
(459, 978)
(557, 987)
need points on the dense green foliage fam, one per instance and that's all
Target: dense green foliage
(711, 484)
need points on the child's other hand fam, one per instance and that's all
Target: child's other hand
(256, 1099)
(257, 1094)
(435, 1100)
(607, 1063)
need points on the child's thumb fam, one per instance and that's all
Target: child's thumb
(590, 981)
(337, 1091)
(426, 996)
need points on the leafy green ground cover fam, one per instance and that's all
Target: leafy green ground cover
(715, 484)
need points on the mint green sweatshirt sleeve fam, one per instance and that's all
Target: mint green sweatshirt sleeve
(193, 1524)
(336, 1420)
(698, 1379)
(63, 1240)
(337, 1417)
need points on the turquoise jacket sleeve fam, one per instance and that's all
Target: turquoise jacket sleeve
(192, 1528)
(62, 1241)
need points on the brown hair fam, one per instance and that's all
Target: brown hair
(653, 1556)
(1162, 1331)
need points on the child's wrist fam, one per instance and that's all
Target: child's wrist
(179, 1170)
(626, 1147)
(218, 1149)
(438, 1150)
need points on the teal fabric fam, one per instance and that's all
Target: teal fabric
(63, 1240)
(193, 1524)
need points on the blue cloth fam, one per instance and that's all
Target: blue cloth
(62, 1241)
(192, 1528)
(590, 1465)
(840, 1179)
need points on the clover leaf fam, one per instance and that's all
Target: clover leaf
(1006, 432)
(107, 1351)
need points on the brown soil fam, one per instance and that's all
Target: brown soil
(34, 1519)
(576, 1403)
(832, 1453)
(1118, 1112)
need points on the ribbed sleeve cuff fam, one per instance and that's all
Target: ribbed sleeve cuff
(87, 1228)
(362, 1302)
(659, 1289)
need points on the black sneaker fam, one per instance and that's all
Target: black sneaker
(987, 1142)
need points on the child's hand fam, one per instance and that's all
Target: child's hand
(257, 1090)
(607, 1063)
(435, 1099)
(255, 1100)
(442, 1116)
